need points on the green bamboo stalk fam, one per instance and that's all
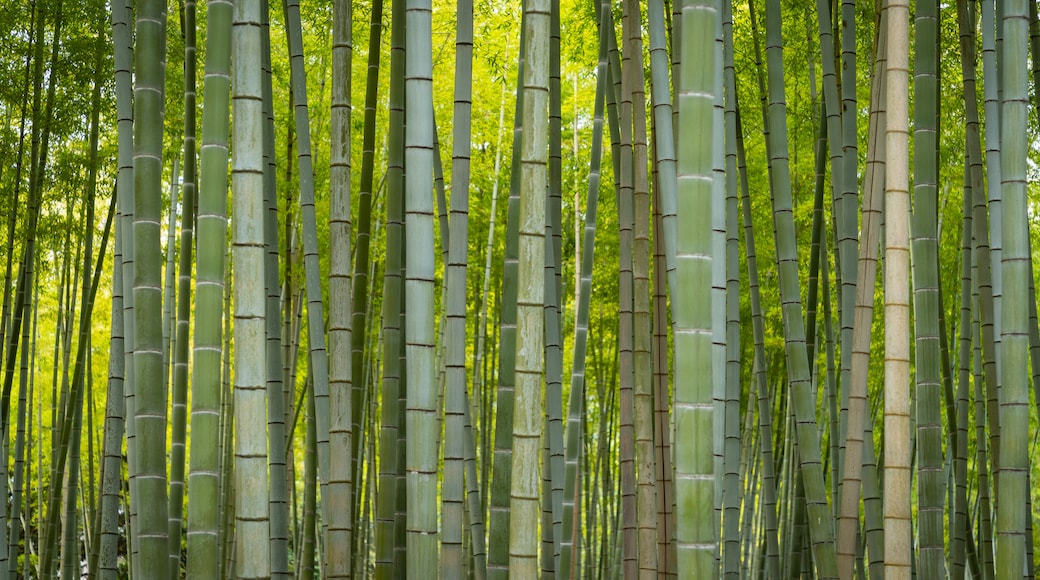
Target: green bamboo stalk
(31, 368)
(1013, 460)
(292, 407)
(443, 242)
(1034, 330)
(798, 546)
(170, 275)
(950, 405)
(227, 497)
(371, 362)
(675, 39)
(361, 552)
(1034, 50)
(277, 390)
(455, 407)
(662, 445)
(481, 394)
(203, 519)
(305, 566)
(960, 524)
(318, 359)
(546, 553)
(766, 401)
(1030, 565)
(850, 154)
(12, 218)
(609, 554)
(103, 564)
(148, 494)
(179, 392)
(818, 264)
(694, 380)
(401, 499)
(421, 454)
(49, 548)
(987, 236)
(488, 399)
(88, 481)
(992, 73)
(872, 504)
(821, 525)
(981, 276)
(554, 468)
(474, 505)
(555, 200)
(226, 549)
(850, 151)
(338, 500)
(664, 145)
(569, 564)
(122, 40)
(70, 558)
(501, 476)
(64, 331)
(392, 305)
(602, 499)
(751, 553)
(361, 278)
(732, 443)
(985, 522)
(28, 371)
(759, 371)
(1034, 362)
(844, 206)
(589, 491)
(664, 242)
(927, 307)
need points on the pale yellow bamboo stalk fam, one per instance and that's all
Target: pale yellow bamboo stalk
(897, 299)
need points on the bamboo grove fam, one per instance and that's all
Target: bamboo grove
(285, 298)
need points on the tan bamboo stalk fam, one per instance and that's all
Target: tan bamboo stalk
(248, 254)
(643, 418)
(897, 298)
(852, 476)
(626, 352)
(527, 416)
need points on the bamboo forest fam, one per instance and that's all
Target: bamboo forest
(488, 289)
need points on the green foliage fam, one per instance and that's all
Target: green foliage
(61, 228)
